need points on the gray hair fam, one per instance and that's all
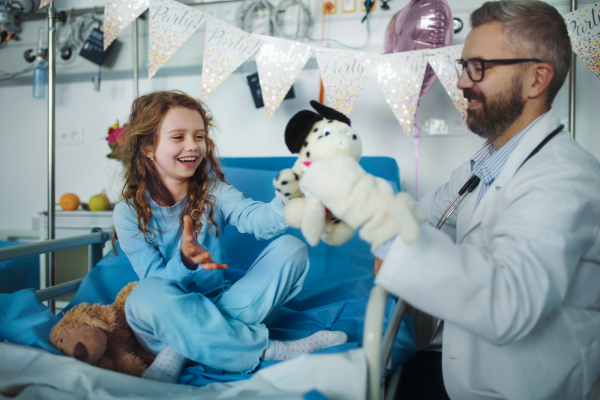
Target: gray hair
(535, 30)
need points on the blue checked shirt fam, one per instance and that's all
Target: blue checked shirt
(486, 164)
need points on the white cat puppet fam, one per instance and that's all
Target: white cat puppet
(315, 137)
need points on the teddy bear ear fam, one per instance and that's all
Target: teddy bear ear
(298, 128)
(329, 113)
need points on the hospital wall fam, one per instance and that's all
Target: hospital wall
(242, 131)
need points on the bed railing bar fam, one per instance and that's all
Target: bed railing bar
(48, 246)
(58, 290)
(372, 334)
(392, 387)
(392, 331)
(95, 251)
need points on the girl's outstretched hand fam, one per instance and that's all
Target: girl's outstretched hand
(192, 254)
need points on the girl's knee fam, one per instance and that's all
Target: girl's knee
(292, 252)
(150, 296)
(291, 248)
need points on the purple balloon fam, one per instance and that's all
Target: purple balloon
(422, 24)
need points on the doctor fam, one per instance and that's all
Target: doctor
(514, 273)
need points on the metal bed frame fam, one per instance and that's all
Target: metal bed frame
(377, 347)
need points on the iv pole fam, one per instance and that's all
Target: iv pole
(134, 31)
(50, 257)
(572, 84)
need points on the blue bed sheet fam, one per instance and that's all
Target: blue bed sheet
(334, 295)
(19, 274)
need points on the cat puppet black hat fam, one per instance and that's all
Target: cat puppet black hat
(300, 125)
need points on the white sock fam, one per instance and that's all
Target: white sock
(294, 348)
(167, 366)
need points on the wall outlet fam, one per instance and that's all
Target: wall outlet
(363, 6)
(69, 137)
(348, 6)
(435, 126)
(329, 6)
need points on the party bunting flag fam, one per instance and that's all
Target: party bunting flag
(442, 62)
(171, 24)
(583, 26)
(399, 77)
(343, 76)
(118, 14)
(588, 49)
(44, 2)
(279, 62)
(225, 48)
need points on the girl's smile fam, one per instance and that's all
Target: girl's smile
(188, 162)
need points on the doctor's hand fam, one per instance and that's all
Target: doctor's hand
(192, 254)
(378, 262)
(363, 201)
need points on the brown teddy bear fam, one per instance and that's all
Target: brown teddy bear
(99, 335)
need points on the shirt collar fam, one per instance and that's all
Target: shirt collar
(487, 162)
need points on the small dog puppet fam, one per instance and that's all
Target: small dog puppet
(314, 137)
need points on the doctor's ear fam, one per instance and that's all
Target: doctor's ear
(541, 75)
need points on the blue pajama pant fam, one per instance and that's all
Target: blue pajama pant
(228, 334)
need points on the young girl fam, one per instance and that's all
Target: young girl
(170, 225)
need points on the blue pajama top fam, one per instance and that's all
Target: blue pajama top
(264, 220)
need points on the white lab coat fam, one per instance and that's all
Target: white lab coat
(517, 281)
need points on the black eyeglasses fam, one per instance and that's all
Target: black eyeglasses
(476, 66)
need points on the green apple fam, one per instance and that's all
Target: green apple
(99, 202)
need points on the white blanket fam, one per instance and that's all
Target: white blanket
(30, 373)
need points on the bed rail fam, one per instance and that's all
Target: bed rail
(95, 240)
(378, 351)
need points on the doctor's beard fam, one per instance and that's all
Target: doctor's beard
(496, 115)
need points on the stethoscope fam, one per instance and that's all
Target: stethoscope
(473, 182)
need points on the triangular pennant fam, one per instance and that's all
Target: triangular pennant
(225, 48)
(343, 76)
(584, 31)
(588, 49)
(442, 63)
(171, 24)
(44, 2)
(118, 14)
(399, 77)
(279, 62)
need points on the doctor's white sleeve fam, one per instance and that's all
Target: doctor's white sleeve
(434, 203)
(514, 269)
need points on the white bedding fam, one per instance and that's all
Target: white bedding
(30, 373)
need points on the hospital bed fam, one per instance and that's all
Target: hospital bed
(338, 294)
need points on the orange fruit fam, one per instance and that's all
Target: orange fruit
(69, 202)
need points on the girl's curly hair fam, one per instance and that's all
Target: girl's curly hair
(140, 137)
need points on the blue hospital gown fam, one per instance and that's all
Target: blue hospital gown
(199, 313)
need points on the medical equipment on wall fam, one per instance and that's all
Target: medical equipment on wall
(272, 19)
(10, 24)
(473, 182)
(39, 56)
(75, 35)
(73, 32)
(39, 81)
